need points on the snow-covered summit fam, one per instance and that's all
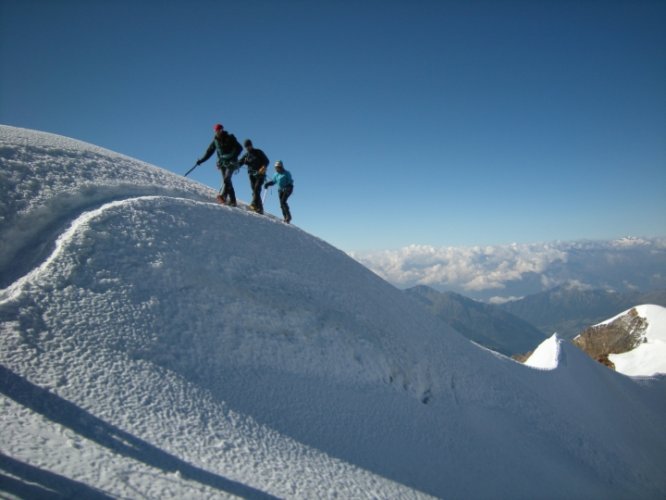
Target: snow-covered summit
(547, 355)
(648, 355)
(159, 345)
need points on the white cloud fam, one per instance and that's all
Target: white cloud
(502, 300)
(578, 285)
(472, 268)
(479, 269)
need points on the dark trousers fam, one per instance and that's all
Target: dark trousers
(227, 185)
(256, 183)
(284, 196)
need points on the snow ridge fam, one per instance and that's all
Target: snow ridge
(61, 242)
(49, 180)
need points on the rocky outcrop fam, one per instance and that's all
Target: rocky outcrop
(620, 335)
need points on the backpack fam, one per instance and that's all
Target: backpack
(234, 145)
(228, 147)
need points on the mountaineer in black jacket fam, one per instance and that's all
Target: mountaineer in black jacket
(256, 162)
(228, 149)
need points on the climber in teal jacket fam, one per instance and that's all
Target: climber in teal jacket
(285, 184)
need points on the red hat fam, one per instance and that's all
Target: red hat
(217, 127)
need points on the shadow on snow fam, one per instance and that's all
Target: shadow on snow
(63, 412)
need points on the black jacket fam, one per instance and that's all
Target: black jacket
(254, 160)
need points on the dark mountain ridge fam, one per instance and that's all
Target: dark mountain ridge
(485, 324)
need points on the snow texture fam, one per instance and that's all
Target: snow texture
(154, 344)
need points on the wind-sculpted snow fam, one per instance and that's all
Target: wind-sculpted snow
(47, 180)
(169, 347)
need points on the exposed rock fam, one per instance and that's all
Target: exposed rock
(623, 334)
(521, 358)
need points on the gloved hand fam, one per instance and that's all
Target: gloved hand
(199, 162)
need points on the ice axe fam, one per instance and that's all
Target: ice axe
(190, 170)
(263, 198)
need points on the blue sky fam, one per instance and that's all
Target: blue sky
(426, 122)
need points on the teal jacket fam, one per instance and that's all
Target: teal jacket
(283, 180)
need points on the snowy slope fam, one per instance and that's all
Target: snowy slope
(158, 345)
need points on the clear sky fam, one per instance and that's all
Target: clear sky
(403, 122)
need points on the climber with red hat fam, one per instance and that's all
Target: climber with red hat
(228, 148)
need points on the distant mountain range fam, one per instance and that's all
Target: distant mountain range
(518, 327)
(499, 273)
(568, 310)
(485, 324)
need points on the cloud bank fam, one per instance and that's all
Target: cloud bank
(503, 272)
